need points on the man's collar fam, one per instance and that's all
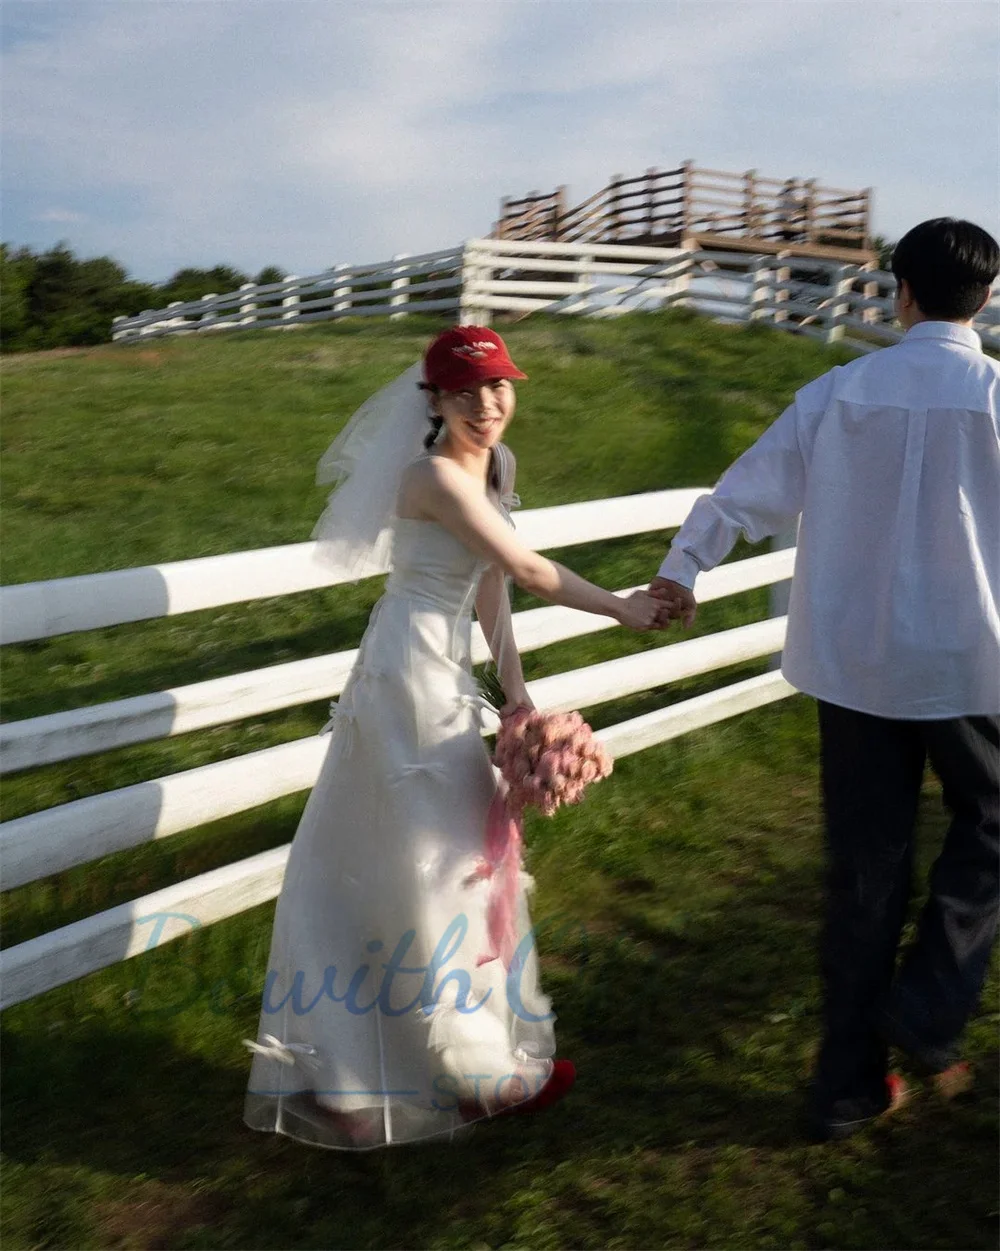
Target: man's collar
(964, 336)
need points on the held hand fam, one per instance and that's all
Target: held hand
(677, 602)
(640, 611)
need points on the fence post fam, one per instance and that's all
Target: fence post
(866, 219)
(681, 284)
(290, 303)
(615, 209)
(209, 315)
(472, 272)
(749, 204)
(558, 212)
(780, 591)
(760, 288)
(342, 295)
(533, 197)
(399, 284)
(504, 217)
(687, 209)
(246, 306)
(841, 281)
(651, 202)
(809, 210)
(585, 278)
(782, 273)
(870, 291)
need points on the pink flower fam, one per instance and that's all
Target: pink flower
(548, 768)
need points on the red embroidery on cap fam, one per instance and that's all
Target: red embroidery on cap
(476, 350)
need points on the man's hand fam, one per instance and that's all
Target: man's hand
(679, 603)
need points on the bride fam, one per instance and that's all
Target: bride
(386, 1015)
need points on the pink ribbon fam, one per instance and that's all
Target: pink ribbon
(502, 864)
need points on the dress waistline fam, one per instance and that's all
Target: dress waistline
(429, 600)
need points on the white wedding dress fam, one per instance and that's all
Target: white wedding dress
(378, 1014)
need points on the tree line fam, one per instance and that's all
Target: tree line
(55, 299)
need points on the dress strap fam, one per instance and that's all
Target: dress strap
(508, 497)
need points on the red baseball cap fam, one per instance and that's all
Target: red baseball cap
(465, 355)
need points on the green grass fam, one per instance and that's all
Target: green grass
(677, 908)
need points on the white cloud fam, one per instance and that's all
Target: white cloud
(254, 131)
(59, 215)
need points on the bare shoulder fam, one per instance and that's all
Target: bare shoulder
(413, 488)
(426, 481)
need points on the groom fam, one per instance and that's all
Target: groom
(893, 462)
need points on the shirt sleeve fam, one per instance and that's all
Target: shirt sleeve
(759, 494)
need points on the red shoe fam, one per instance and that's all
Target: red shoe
(560, 1082)
(899, 1092)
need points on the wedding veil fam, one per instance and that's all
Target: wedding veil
(366, 461)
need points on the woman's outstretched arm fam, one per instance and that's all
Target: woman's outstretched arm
(447, 494)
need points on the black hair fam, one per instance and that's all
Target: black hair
(436, 424)
(950, 266)
(436, 421)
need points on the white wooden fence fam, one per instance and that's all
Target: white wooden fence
(827, 299)
(78, 832)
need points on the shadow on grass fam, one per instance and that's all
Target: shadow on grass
(683, 1067)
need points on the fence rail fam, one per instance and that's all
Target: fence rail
(821, 296)
(666, 206)
(79, 831)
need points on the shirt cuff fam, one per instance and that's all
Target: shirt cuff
(681, 567)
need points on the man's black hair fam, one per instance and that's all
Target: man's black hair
(950, 266)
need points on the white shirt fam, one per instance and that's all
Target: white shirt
(894, 463)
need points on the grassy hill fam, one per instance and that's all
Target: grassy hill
(677, 908)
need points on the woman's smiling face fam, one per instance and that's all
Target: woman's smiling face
(476, 418)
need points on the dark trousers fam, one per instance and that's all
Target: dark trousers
(872, 769)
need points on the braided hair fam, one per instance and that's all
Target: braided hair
(436, 424)
(436, 421)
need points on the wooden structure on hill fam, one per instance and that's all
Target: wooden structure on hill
(701, 208)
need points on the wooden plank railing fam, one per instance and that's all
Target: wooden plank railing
(670, 204)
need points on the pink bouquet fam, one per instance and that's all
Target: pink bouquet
(548, 759)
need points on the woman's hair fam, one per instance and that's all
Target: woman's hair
(950, 266)
(436, 421)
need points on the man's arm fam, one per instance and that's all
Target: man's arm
(759, 494)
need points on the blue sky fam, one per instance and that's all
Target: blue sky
(305, 132)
